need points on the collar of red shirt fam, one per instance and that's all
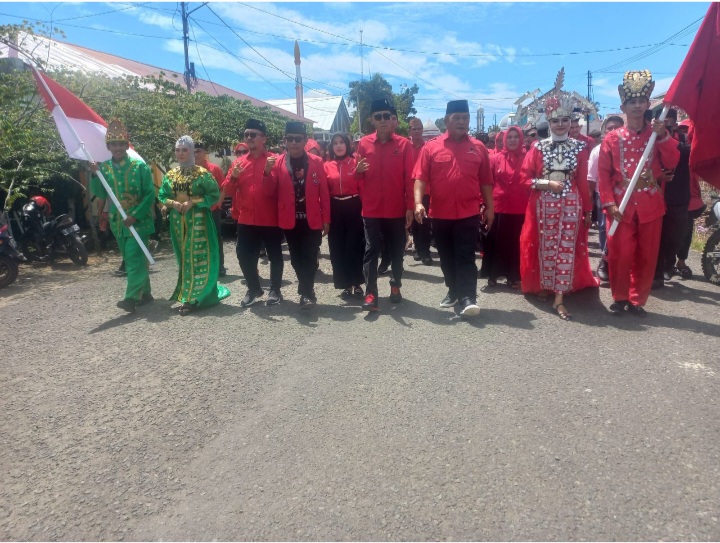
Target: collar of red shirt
(374, 138)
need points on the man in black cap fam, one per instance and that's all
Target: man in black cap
(387, 199)
(256, 214)
(299, 182)
(457, 170)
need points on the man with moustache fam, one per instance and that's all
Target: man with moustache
(457, 170)
(256, 214)
(387, 200)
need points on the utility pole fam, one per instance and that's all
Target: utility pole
(589, 98)
(189, 75)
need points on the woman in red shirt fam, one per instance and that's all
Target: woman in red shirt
(346, 238)
(510, 196)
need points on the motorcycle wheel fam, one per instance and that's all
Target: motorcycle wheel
(77, 251)
(711, 258)
(8, 271)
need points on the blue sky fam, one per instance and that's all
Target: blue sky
(488, 53)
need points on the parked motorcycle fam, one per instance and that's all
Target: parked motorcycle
(42, 239)
(9, 255)
(711, 252)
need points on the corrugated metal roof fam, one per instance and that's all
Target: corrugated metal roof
(75, 57)
(321, 109)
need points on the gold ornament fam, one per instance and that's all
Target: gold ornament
(636, 84)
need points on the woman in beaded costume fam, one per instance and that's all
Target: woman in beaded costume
(189, 191)
(553, 243)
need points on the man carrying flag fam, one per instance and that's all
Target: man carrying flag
(130, 179)
(633, 249)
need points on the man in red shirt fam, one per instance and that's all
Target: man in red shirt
(299, 182)
(633, 249)
(386, 193)
(256, 214)
(217, 173)
(575, 131)
(456, 167)
(421, 232)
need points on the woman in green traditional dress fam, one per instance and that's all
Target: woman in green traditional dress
(189, 191)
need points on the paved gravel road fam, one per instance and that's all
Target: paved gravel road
(277, 424)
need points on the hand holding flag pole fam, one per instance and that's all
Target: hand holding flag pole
(81, 146)
(638, 171)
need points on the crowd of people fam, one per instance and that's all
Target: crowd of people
(531, 193)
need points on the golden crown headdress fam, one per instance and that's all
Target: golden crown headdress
(558, 106)
(636, 84)
(116, 131)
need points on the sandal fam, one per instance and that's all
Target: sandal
(562, 313)
(184, 309)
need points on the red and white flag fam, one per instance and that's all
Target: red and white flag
(696, 89)
(89, 126)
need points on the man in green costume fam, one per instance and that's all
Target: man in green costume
(189, 191)
(131, 181)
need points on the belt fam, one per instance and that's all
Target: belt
(341, 198)
(645, 182)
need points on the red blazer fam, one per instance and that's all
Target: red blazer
(317, 196)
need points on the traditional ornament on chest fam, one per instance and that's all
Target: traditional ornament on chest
(182, 180)
(631, 147)
(560, 160)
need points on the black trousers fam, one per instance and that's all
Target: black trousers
(455, 240)
(346, 242)
(304, 246)
(674, 228)
(502, 247)
(392, 231)
(218, 227)
(249, 239)
(684, 247)
(422, 233)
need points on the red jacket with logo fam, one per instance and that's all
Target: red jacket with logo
(279, 185)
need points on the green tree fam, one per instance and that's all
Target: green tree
(362, 93)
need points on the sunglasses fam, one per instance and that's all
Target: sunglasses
(294, 139)
(533, 135)
(252, 135)
(381, 116)
(241, 153)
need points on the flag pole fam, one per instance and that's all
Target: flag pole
(89, 158)
(638, 171)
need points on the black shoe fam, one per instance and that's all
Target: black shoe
(427, 261)
(358, 293)
(371, 302)
(383, 268)
(222, 272)
(602, 271)
(274, 297)
(416, 257)
(146, 299)
(251, 297)
(127, 304)
(449, 301)
(346, 294)
(657, 283)
(120, 272)
(637, 310)
(469, 308)
(306, 302)
(667, 275)
(617, 308)
(395, 296)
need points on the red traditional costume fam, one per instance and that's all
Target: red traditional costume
(553, 243)
(633, 249)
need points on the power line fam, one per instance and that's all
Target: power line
(201, 61)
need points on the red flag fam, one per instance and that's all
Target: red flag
(696, 89)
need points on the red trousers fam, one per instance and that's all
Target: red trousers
(632, 256)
